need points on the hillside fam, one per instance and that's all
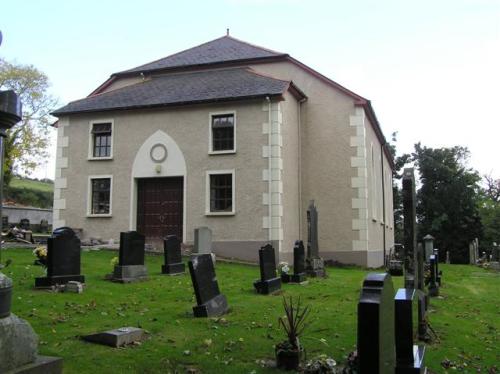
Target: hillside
(22, 191)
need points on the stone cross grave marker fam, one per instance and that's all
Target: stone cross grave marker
(63, 259)
(376, 352)
(268, 282)
(172, 256)
(210, 302)
(202, 240)
(315, 265)
(299, 274)
(130, 266)
(410, 226)
(409, 357)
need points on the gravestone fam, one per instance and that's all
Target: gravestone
(448, 257)
(117, 338)
(409, 357)
(433, 286)
(5, 222)
(376, 352)
(172, 256)
(269, 282)
(24, 224)
(63, 259)
(421, 295)
(476, 249)
(438, 272)
(210, 302)
(44, 225)
(409, 226)
(472, 260)
(202, 240)
(299, 274)
(315, 265)
(130, 266)
(429, 246)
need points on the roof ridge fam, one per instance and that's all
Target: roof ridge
(172, 55)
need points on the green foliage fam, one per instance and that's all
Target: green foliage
(447, 199)
(46, 185)
(465, 318)
(29, 197)
(27, 142)
(489, 210)
(294, 321)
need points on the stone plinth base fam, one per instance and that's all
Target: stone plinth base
(173, 269)
(48, 282)
(129, 273)
(42, 365)
(293, 278)
(212, 308)
(265, 287)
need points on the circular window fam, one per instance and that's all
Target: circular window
(158, 153)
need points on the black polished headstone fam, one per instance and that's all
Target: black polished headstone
(25, 224)
(421, 294)
(130, 266)
(210, 302)
(268, 282)
(409, 227)
(438, 272)
(63, 259)
(409, 357)
(299, 257)
(172, 256)
(376, 350)
(433, 285)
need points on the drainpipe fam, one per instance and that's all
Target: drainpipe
(299, 163)
(269, 186)
(383, 196)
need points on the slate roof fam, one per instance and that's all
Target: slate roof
(183, 88)
(224, 49)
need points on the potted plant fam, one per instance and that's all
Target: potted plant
(289, 352)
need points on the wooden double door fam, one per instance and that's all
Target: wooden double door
(160, 208)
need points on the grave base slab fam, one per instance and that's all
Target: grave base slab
(267, 286)
(417, 366)
(130, 273)
(173, 269)
(212, 308)
(42, 365)
(48, 282)
(116, 338)
(293, 278)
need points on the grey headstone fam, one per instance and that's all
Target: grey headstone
(210, 302)
(376, 347)
(63, 259)
(18, 343)
(409, 357)
(448, 257)
(269, 282)
(5, 295)
(116, 338)
(202, 240)
(409, 226)
(429, 246)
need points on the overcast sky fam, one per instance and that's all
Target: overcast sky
(430, 68)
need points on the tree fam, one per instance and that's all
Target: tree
(27, 142)
(447, 206)
(489, 210)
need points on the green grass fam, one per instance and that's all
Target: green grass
(466, 318)
(32, 185)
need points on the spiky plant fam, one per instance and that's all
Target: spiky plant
(294, 321)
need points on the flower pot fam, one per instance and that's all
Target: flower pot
(5, 301)
(288, 358)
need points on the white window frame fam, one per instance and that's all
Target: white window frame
(91, 139)
(210, 144)
(207, 193)
(89, 195)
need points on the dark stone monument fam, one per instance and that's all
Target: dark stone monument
(376, 353)
(172, 254)
(421, 295)
(44, 225)
(410, 227)
(268, 282)
(409, 357)
(18, 341)
(438, 272)
(24, 224)
(210, 302)
(315, 265)
(130, 266)
(63, 259)
(433, 286)
(5, 222)
(299, 274)
(116, 338)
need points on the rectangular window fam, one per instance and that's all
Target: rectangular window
(101, 135)
(222, 130)
(220, 193)
(100, 196)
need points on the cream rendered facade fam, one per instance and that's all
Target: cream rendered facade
(288, 152)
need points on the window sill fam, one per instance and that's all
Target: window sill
(99, 215)
(222, 152)
(219, 213)
(99, 158)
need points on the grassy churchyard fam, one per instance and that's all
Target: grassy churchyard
(466, 318)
